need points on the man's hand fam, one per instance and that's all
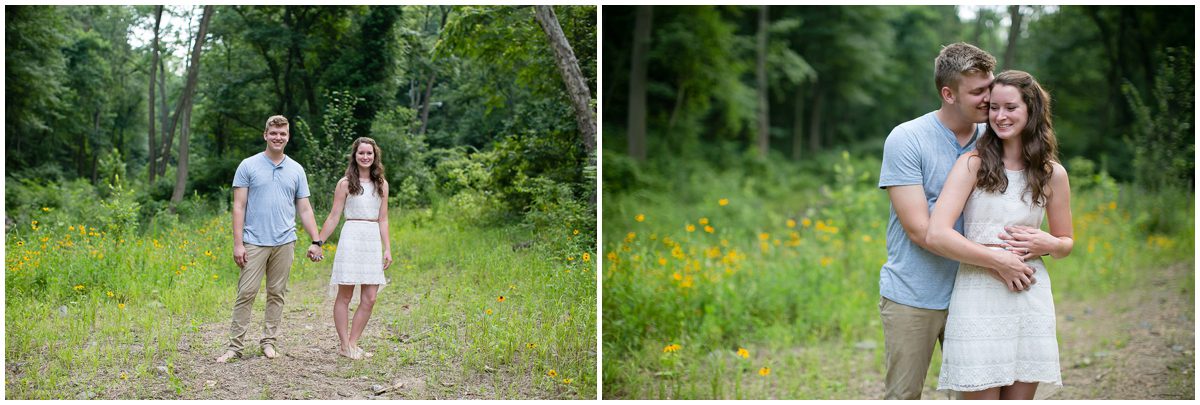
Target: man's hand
(239, 255)
(315, 254)
(1028, 242)
(1013, 271)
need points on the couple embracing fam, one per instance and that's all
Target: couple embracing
(969, 185)
(268, 190)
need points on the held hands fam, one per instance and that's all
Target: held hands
(1013, 272)
(1028, 242)
(315, 253)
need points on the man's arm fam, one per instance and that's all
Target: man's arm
(913, 212)
(307, 218)
(239, 224)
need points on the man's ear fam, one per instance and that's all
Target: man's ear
(947, 94)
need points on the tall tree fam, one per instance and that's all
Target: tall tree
(1014, 34)
(637, 83)
(152, 148)
(185, 106)
(764, 115)
(568, 67)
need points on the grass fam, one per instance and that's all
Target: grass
(784, 261)
(92, 315)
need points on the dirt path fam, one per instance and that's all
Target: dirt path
(1135, 344)
(309, 367)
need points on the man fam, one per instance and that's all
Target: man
(268, 189)
(915, 283)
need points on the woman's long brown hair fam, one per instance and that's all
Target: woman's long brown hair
(1038, 145)
(375, 172)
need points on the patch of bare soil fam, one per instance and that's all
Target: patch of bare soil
(310, 368)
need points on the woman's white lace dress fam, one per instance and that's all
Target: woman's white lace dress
(359, 255)
(995, 337)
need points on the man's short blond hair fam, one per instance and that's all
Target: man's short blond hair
(958, 59)
(276, 121)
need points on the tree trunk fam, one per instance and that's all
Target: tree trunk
(764, 114)
(152, 148)
(1014, 33)
(637, 83)
(680, 97)
(797, 125)
(185, 107)
(164, 115)
(814, 121)
(425, 100)
(577, 87)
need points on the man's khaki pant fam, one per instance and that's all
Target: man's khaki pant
(276, 263)
(909, 335)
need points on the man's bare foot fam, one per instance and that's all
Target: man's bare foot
(363, 353)
(229, 354)
(269, 351)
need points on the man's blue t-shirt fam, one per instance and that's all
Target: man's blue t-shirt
(271, 198)
(921, 151)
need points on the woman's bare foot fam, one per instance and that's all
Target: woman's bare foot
(363, 353)
(349, 353)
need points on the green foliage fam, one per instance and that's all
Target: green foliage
(406, 157)
(1163, 132)
(327, 156)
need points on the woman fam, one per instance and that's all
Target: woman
(1000, 343)
(364, 250)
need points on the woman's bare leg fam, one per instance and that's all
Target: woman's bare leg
(341, 315)
(1019, 390)
(990, 393)
(366, 301)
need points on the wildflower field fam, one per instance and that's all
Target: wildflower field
(760, 279)
(91, 312)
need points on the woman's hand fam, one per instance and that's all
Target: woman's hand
(1029, 242)
(387, 260)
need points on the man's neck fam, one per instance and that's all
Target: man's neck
(275, 157)
(962, 129)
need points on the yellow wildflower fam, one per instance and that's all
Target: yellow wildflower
(723, 202)
(121, 306)
(552, 373)
(612, 256)
(703, 221)
(825, 261)
(576, 232)
(791, 223)
(708, 228)
(45, 209)
(806, 222)
(567, 380)
(676, 276)
(745, 354)
(866, 238)
(79, 287)
(764, 236)
(587, 257)
(1112, 205)
(500, 299)
(488, 311)
(629, 237)
(110, 294)
(765, 371)
(640, 217)
(530, 346)
(671, 348)
(691, 228)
